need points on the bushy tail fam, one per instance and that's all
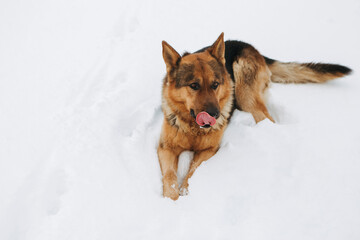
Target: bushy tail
(293, 72)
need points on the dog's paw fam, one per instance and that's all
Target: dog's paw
(184, 191)
(184, 188)
(171, 191)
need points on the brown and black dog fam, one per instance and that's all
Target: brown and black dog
(202, 89)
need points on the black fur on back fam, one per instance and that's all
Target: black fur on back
(233, 49)
(269, 61)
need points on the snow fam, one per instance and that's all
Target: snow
(80, 85)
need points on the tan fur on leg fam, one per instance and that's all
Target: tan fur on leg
(168, 163)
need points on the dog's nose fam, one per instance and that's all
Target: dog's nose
(213, 111)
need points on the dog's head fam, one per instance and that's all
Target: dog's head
(197, 83)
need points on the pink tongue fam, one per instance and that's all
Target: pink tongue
(204, 118)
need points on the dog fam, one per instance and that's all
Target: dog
(201, 90)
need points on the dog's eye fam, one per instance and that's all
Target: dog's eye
(215, 85)
(195, 86)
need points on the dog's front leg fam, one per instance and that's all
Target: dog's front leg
(168, 160)
(199, 157)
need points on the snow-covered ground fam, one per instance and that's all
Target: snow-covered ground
(80, 119)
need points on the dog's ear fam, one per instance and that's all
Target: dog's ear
(171, 57)
(217, 50)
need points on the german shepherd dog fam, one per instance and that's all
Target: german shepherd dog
(202, 89)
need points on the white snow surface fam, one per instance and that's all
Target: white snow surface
(80, 118)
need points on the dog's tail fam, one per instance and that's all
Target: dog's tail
(292, 72)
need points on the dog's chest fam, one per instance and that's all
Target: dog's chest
(199, 143)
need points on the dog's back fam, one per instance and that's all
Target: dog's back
(252, 73)
(289, 72)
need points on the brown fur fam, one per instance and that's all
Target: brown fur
(251, 77)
